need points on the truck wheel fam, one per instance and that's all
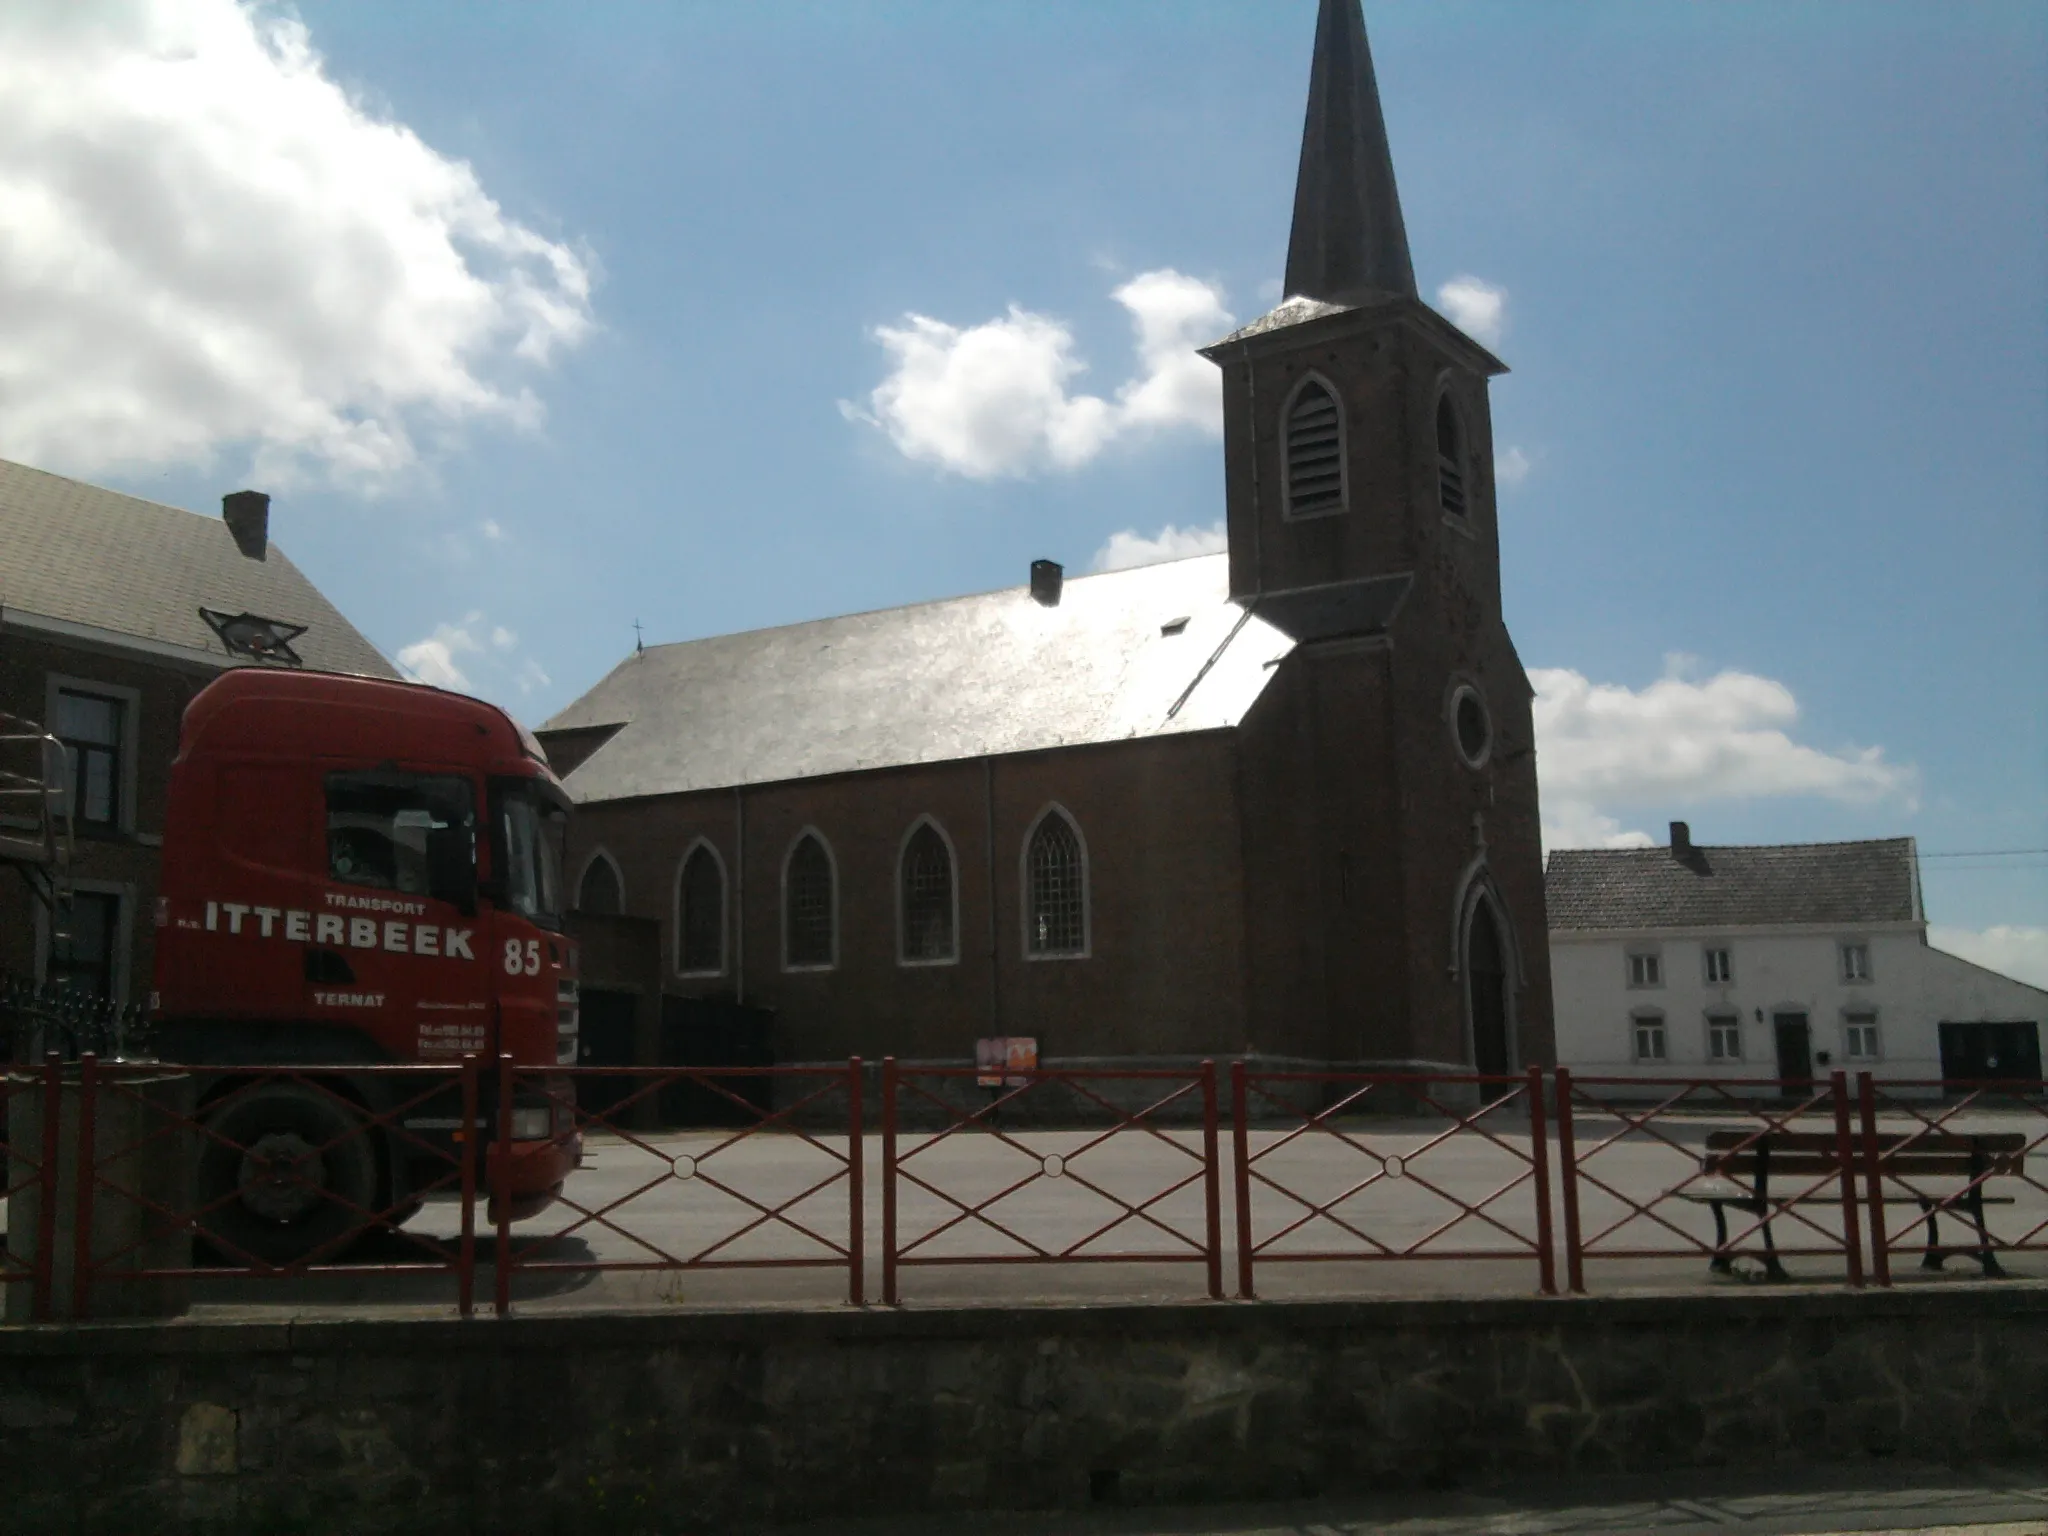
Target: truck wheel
(281, 1177)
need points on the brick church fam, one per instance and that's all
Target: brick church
(1279, 801)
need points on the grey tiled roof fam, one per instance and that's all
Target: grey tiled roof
(934, 682)
(1755, 886)
(83, 555)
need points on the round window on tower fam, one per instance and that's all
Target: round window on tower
(1471, 728)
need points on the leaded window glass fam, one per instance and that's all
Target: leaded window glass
(1058, 890)
(928, 896)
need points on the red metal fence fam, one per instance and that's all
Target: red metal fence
(798, 1207)
(282, 1173)
(1975, 1153)
(1649, 1165)
(1423, 1174)
(1053, 1168)
(978, 1185)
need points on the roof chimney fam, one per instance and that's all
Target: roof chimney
(1047, 577)
(247, 514)
(1681, 840)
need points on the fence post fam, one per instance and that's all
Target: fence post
(856, 1190)
(40, 1299)
(1845, 1154)
(1212, 1184)
(1873, 1174)
(1539, 1156)
(500, 1179)
(1240, 1143)
(465, 1263)
(1568, 1183)
(82, 1186)
(889, 1181)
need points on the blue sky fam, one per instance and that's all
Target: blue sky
(1772, 279)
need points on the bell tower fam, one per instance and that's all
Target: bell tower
(1355, 421)
(1390, 766)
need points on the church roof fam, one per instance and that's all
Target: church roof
(937, 682)
(81, 560)
(1348, 239)
(1754, 886)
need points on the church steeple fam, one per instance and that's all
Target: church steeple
(1348, 242)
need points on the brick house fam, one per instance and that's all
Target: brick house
(1279, 801)
(114, 611)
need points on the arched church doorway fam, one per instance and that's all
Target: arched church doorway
(1486, 992)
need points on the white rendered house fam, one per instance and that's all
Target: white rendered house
(1770, 962)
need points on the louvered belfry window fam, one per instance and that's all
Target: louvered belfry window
(1450, 458)
(1315, 452)
(701, 923)
(927, 896)
(807, 904)
(1058, 890)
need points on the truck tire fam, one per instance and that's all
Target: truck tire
(280, 1177)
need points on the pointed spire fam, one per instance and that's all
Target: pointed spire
(1348, 241)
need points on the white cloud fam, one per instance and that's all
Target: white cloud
(1476, 307)
(2010, 949)
(1513, 467)
(432, 660)
(1602, 748)
(491, 669)
(992, 399)
(491, 529)
(206, 244)
(1131, 547)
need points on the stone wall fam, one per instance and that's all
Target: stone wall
(700, 1421)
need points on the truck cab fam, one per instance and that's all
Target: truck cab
(359, 872)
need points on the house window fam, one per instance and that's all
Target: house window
(602, 892)
(700, 914)
(1720, 966)
(1056, 889)
(1645, 968)
(1450, 458)
(927, 913)
(809, 937)
(89, 725)
(82, 940)
(1648, 1030)
(1859, 1036)
(1315, 450)
(1855, 962)
(1724, 1036)
(407, 832)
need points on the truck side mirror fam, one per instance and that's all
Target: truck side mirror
(451, 866)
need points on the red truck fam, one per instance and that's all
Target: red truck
(359, 872)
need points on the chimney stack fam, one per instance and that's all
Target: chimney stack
(1681, 840)
(247, 514)
(1047, 577)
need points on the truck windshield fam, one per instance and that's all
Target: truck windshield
(528, 835)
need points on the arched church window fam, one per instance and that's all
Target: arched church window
(1450, 457)
(1055, 888)
(927, 910)
(601, 892)
(1315, 450)
(809, 926)
(700, 913)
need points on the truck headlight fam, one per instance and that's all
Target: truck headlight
(532, 1122)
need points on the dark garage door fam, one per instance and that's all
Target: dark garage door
(1974, 1051)
(606, 1027)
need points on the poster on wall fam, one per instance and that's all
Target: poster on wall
(1000, 1059)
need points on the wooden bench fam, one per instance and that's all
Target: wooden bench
(1743, 1163)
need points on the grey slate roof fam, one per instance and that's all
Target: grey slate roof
(1755, 886)
(933, 682)
(83, 555)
